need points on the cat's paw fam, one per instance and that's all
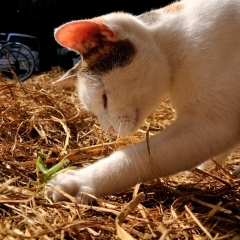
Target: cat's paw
(72, 183)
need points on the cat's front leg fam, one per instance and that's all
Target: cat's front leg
(220, 159)
(183, 145)
(118, 172)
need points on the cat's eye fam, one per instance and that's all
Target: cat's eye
(104, 100)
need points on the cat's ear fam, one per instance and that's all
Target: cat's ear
(83, 35)
(69, 79)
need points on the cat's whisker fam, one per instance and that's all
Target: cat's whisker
(132, 120)
(106, 128)
(132, 124)
(118, 135)
(119, 129)
(92, 104)
(138, 157)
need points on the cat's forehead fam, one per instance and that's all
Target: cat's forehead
(107, 56)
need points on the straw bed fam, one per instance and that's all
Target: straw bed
(38, 116)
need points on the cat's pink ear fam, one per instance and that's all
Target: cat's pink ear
(83, 35)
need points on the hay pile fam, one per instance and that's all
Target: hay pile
(39, 117)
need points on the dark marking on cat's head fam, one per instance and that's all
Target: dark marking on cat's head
(149, 17)
(174, 7)
(153, 16)
(108, 55)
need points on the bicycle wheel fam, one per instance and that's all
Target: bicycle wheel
(17, 58)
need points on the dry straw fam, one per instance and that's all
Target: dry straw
(36, 116)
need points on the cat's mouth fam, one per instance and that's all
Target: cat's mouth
(112, 131)
(121, 132)
(124, 127)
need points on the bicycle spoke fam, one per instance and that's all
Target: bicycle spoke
(18, 58)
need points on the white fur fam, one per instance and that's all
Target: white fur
(192, 56)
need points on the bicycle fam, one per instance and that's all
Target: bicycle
(16, 60)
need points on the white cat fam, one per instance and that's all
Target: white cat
(188, 51)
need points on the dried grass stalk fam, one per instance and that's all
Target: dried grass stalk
(40, 117)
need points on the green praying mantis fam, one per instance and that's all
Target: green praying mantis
(44, 174)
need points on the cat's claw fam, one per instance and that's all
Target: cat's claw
(70, 183)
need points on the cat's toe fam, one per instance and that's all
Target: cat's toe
(53, 194)
(85, 196)
(71, 184)
(62, 183)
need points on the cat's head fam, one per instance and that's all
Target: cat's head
(122, 75)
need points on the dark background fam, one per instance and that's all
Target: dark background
(40, 17)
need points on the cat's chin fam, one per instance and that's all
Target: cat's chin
(111, 131)
(122, 133)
